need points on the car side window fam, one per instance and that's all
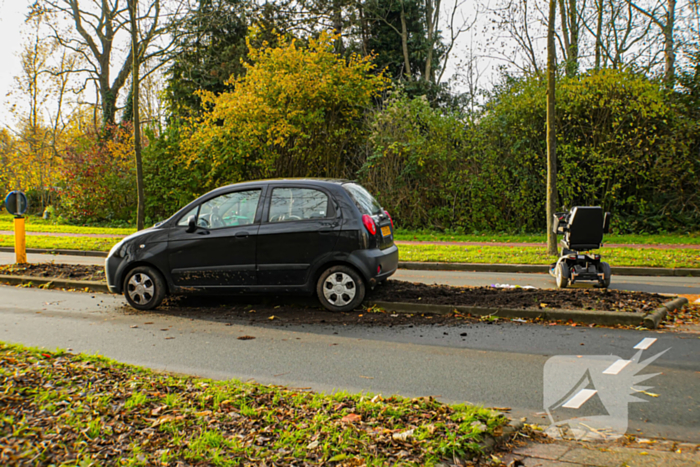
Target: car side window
(184, 219)
(296, 204)
(229, 210)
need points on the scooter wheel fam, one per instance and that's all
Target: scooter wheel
(562, 275)
(607, 275)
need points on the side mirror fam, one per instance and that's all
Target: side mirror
(191, 224)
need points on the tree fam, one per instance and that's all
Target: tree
(97, 31)
(296, 112)
(210, 50)
(133, 17)
(551, 131)
(663, 15)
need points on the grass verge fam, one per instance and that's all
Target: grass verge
(63, 243)
(60, 408)
(37, 224)
(643, 257)
(642, 239)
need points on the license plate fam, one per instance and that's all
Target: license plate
(386, 231)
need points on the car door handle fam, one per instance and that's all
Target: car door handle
(241, 234)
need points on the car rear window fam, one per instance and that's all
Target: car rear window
(364, 201)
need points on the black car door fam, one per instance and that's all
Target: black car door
(221, 252)
(299, 227)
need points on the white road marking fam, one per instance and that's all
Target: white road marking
(579, 399)
(645, 343)
(616, 367)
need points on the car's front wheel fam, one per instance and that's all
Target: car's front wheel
(144, 288)
(340, 288)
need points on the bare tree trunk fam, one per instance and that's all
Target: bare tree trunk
(404, 44)
(551, 131)
(598, 33)
(140, 213)
(669, 53)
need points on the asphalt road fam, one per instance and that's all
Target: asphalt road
(669, 285)
(498, 365)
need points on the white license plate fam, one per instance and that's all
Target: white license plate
(386, 231)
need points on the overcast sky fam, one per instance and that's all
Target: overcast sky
(11, 20)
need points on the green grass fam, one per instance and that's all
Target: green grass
(692, 238)
(65, 409)
(642, 257)
(37, 224)
(63, 243)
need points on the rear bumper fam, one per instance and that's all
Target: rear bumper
(375, 264)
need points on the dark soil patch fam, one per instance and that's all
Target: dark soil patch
(289, 311)
(518, 298)
(79, 272)
(390, 291)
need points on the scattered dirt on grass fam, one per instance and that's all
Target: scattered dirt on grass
(518, 298)
(79, 272)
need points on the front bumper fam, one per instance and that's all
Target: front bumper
(111, 268)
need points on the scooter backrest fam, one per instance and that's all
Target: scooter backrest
(585, 227)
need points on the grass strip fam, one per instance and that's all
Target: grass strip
(626, 239)
(66, 409)
(37, 224)
(63, 243)
(634, 257)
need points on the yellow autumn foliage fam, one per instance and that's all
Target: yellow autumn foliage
(298, 111)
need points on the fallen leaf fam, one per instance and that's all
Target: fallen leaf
(245, 338)
(351, 418)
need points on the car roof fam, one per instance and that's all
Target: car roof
(268, 181)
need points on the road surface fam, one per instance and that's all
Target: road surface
(498, 365)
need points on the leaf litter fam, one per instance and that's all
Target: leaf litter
(65, 409)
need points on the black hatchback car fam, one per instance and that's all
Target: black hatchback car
(328, 237)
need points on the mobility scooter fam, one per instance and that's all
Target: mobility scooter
(583, 228)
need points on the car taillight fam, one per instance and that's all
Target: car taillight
(392, 220)
(369, 224)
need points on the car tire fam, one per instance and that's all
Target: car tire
(607, 275)
(144, 288)
(562, 275)
(340, 288)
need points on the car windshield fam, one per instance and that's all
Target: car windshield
(364, 201)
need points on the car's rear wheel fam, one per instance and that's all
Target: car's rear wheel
(340, 288)
(144, 288)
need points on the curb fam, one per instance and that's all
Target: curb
(103, 254)
(653, 319)
(650, 320)
(92, 286)
(539, 268)
(490, 443)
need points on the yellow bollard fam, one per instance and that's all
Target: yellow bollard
(20, 243)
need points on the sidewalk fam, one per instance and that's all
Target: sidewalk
(407, 242)
(543, 245)
(643, 452)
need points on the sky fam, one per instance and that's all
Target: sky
(11, 21)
